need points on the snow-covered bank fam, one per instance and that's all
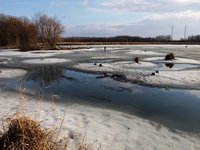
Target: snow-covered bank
(122, 66)
(143, 52)
(38, 54)
(10, 52)
(170, 79)
(45, 61)
(175, 61)
(103, 128)
(139, 73)
(6, 73)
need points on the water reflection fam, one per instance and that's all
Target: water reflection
(45, 75)
(177, 109)
(195, 93)
(169, 65)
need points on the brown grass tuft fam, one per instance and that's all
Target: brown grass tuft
(83, 147)
(24, 133)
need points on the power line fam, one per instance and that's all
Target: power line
(172, 31)
(185, 32)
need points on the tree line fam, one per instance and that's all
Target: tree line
(161, 38)
(20, 32)
(194, 38)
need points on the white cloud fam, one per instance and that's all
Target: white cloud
(97, 10)
(85, 2)
(194, 15)
(194, 93)
(129, 5)
(58, 3)
(186, 1)
(150, 26)
(156, 18)
(151, 5)
(95, 30)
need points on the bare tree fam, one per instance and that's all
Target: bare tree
(24, 34)
(48, 29)
(27, 35)
(9, 33)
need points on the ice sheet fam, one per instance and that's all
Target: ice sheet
(103, 128)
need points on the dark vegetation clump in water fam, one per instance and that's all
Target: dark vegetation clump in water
(170, 56)
(169, 65)
(116, 76)
(136, 60)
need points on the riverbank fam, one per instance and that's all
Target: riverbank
(130, 43)
(98, 127)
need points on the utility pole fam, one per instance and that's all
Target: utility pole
(185, 32)
(172, 32)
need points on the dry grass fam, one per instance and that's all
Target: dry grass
(24, 133)
(21, 132)
(83, 147)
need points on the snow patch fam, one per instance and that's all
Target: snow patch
(45, 61)
(123, 66)
(132, 64)
(106, 57)
(38, 55)
(11, 53)
(170, 79)
(143, 52)
(6, 73)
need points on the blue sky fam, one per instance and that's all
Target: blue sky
(114, 17)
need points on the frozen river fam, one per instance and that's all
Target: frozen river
(167, 92)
